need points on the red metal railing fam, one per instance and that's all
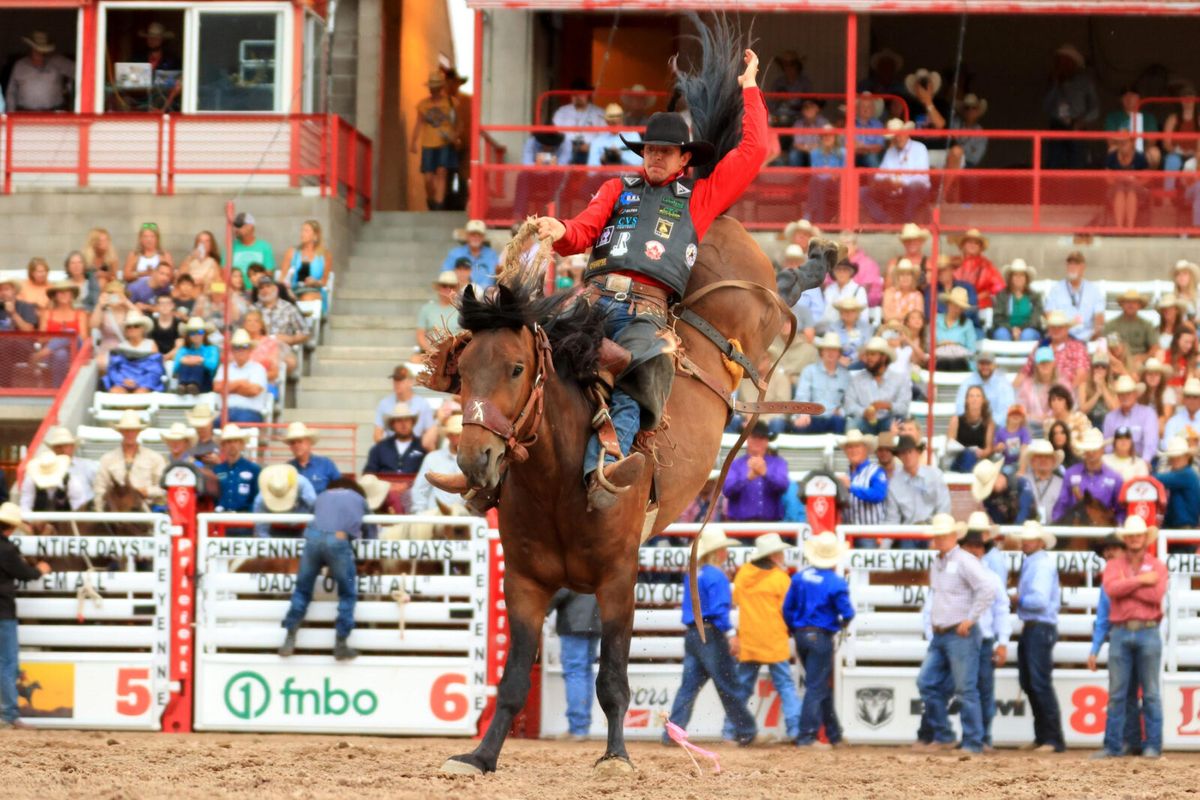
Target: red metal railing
(659, 99)
(81, 356)
(1029, 199)
(34, 363)
(162, 151)
(336, 442)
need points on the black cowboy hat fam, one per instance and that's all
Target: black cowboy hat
(671, 129)
(549, 138)
(1112, 540)
(761, 431)
(974, 537)
(906, 443)
(845, 262)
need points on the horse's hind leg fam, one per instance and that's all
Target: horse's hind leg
(526, 601)
(616, 599)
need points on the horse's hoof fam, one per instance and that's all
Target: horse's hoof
(613, 767)
(459, 765)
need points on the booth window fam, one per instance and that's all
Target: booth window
(38, 67)
(143, 65)
(238, 56)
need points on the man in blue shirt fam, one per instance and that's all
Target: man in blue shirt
(1182, 485)
(1038, 599)
(823, 382)
(282, 490)
(712, 658)
(1112, 546)
(816, 607)
(319, 470)
(329, 542)
(1082, 301)
(995, 385)
(482, 257)
(237, 477)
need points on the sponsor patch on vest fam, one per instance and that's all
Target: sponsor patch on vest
(673, 202)
(654, 250)
(629, 198)
(626, 222)
(605, 236)
(689, 255)
(663, 228)
(670, 212)
(622, 246)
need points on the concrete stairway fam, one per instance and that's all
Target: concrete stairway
(372, 325)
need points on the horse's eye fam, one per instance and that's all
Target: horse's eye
(517, 370)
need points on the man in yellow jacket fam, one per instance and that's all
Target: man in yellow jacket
(758, 591)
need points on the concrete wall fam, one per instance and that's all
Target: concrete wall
(51, 224)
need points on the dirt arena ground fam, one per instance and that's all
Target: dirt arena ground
(115, 766)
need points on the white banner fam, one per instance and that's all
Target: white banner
(91, 690)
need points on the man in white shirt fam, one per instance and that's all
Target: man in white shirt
(248, 396)
(608, 148)
(1082, 301)
(581, 112)
(402, 392)
(41, 81)
(901, 189)
(443, 461)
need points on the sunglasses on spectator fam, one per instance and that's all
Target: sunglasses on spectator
(149, 226)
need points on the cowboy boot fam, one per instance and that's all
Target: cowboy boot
(289, 643)
(619, 474)
(455, 483)
(342, 650)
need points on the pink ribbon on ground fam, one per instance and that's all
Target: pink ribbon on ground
(680, 737)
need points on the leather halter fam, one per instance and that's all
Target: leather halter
(520, 433)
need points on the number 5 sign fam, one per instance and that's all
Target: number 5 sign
(133, 691)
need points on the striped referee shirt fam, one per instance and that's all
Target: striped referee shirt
(868, 493)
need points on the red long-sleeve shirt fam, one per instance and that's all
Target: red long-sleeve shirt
(710, 196)
(981, 273)
(1129, 598)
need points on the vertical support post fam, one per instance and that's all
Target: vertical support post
(180, 482)
(226, 344)
(849, 204)
(8, 152)
(476, 193)
(170, 122)
(368, 178)
(931, 280)
(1036, 200)
(86, 90)
(352, 178)
(331, 125)
(83, 133)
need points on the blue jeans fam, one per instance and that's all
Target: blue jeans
(1130, 651)
(197, 374)
(1005, 335)
(883, 422)
(711, 660)
(1035, 665)
(987, 688)
(823, 424)
(965, 461)
(814, 647)
(244, 415)
(785, 685)
(957, 657)
(625, 412)
(579, 675)
(10, 664)
(325, 549)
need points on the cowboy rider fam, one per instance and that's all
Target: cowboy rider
(644, 232)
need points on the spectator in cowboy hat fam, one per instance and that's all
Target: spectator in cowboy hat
(1141, 420)
(1081, 301)
(851, 327)
(875, 396)
(817, 606)
(968, 151)
(248, 399)
(477, 251)
(712, 658)
(282, 490)
(824, 382)
(913, 239)
(130, 464)
(1007, 499)
(843, 286)
(1041, 464)
(237, 476)
(200, 418)
(179, 439)
(975, 268)
(868, 147)
(609, 148)
(1110, 548)
(1089, 477)
(957, 339)
(885, 453)
(13, 568)
(800, 233)
(1139, 334)
(803, 144)
(917, 492)
(81, 472)
(400, 451)
(439, 314)
(865, 482)
(1017, 309)
(329, 543)
(1135, 583)
(1187, 414)
(319, 470)
(1185, 276)
(1182, 483)
(902, 297)
(901, 188)
(759, 589)
(1071, 357)
(1038, 598)
(868, 274)
(48, 486)
(440, 464)
(883, 77)
(1071, 104)
(756, 481)
(402, 392)
(961, 591)
(42, 80)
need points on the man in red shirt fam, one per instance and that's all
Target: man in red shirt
(644, 233)
(977, 269)
(1135, 583)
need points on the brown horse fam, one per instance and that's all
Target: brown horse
(550, 540)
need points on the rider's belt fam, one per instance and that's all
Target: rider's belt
(642, 297)
(1137, 624)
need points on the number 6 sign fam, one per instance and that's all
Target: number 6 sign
(446, 705)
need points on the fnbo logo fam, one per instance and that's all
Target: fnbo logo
(248, 696)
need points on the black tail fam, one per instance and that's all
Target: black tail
(713, 94)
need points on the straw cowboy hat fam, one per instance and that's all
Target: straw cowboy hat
(200, 415)
(905, 265)
(1183, 265)
(614, 111)
(155, 30)
(1191, 387)
(877, 344)
(446, 278)
(234, 433)
(886, 54)
(298, 430)
(1091, 440)
(1170, 299)
(829, 341)
(178, 432)
(39, 41)
(58, 437)
(857, 437)
(1057, 319)
(1134, 526)
(1133, 296)
(375, 489)
(63, 286)
(824, 551)
(136, 319)
(130, 421)
(768, 545)
(957, 296)
(1125, 384)
(974, 101)
(849, 303)
(1153, 364)
(1019, 267)
(713, 539)
(1033, 529)
(1072, 52)
(912, 230)
(197, 325)
(800, 226)
(241, 340)
(943, 525)
(436, 78)
(1041, 447)
(10, 517)
(931, 78)
(453, 424)
(979, 522)
(1177, 446)
(970, 234)
(49, 469)
(279, 486)
(401, 411)
(896, 125)
(985, 474)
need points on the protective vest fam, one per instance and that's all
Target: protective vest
(650, 231)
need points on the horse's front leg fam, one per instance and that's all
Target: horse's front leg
(612, 681)
(526, 601)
